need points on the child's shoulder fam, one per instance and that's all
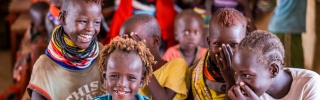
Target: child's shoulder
(304, 76)
(303, 73)
(43, 60)
(178, 61)
(176, 64)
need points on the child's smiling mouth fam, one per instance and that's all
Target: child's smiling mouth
(121, 92)
(85, 37)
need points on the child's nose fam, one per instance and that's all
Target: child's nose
(89, 27)
(191, 36)
(237, 79)
(122, 83)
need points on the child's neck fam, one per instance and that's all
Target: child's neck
(281, 85)
(188, 53)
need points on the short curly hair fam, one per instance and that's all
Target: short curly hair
(128, 45)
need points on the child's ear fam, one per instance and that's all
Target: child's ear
(208, 41)
(142, 83)
(176, 36)
(104, 75)
(274, 70)
(156, 40)
(62, 17)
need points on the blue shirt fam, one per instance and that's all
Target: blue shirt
(109, 97)
(289, 17)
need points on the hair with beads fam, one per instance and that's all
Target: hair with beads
(266, 45)
(127, 46)
(66, 4)
(228, 17)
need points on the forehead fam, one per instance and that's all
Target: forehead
(37, 14)
(187, 22)
(121, 60)
(82, 7)
(139, 28)
(246, 60)
(236, 32)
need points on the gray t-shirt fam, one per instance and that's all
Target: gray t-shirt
(58, 83)
(305, 86)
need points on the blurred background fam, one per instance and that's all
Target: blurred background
(15, 22)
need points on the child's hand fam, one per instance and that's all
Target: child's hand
(242, 92)
(224, 63)
(21, 62)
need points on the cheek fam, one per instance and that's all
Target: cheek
(97, 29)
(198, 37)
(214, 49)
(259, 85)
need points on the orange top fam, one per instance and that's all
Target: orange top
(174, 52)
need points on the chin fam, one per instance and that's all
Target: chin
(121, 97)
(83, 45)
(258, 93)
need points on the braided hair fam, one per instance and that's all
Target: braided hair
(127, 45)
(267, 45)
(228, 17)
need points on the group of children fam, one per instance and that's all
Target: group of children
(237, 65)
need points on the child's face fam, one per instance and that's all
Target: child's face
(82, 22)
(124, 78)
(188, 33)
(222, 35)
(248, 70)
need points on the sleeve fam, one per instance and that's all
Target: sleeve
(39, 80)
(312, 88)
(178, 78)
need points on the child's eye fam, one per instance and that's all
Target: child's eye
(97, 23)
(114, 76)
(233, 45)
(82, 21)
(186, 32)
(131, 78)
(246, 76)
(217, 43)
(196, 32)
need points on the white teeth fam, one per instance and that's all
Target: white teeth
(85, 38)
(120, 92)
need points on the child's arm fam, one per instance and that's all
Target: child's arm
(36, 96)
(158, 92)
